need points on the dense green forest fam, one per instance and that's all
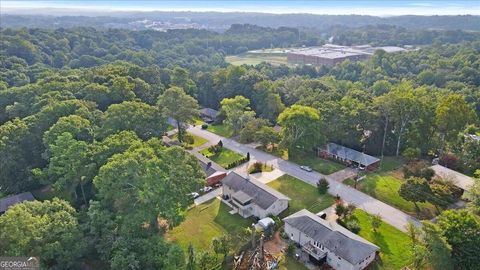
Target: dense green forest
(221, 21)
(82, 112)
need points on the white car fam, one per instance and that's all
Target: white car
(194, 195)
(306, 168)
(206, 189)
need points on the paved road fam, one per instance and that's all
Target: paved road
(361, 200)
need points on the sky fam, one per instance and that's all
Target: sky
(376, 8)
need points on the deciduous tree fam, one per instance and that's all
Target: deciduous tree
(175, 103)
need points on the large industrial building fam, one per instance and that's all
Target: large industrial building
(331, 54)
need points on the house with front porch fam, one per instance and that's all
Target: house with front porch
(348, 156)
(251, 197)
(328, 242)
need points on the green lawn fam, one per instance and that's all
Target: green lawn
(320, 165)
(257, 58)
(198, 122)
(221, 130)
(197, 140)
(223, 158)
(205, 222)
(395, 249)
(391, 163)
(289, 263)
(303, 195)
(385, 188)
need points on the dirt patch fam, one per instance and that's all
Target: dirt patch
(276, 245)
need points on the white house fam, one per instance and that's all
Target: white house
(252, 198)
(329, 242)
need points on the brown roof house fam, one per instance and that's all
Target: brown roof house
(348, 156)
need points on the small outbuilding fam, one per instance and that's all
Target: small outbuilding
(7, 202)
(348, 156)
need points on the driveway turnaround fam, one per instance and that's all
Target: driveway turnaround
(361, 200)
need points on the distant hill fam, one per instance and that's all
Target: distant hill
(221, 21)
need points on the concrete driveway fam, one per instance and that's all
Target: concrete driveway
(208, 196)
(361, 200)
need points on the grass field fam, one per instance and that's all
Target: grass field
(385, 188)
(394, 244)
(221, 130)
(257, 58)
(197, 140)
(205, 222)
(223, 158)
(303, 195)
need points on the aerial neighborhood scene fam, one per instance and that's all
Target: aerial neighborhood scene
(246, 135)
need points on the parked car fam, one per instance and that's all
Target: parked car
(194, 195)
(306, 168)
(206, 189)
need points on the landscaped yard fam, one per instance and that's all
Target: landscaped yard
(320, 165)
(222, 158)
(385, 188)
(221, 130)
(303, 195)
(207, 221)
(197, 140)
(394, 245)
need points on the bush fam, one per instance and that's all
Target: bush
(322, 186)
(418, 170)
(291, 249)
(449, 161)
(353, 226)
(204, 126)
(215, 149)
(188, 139)
(256, 167)
(220, 144)
(411, 154)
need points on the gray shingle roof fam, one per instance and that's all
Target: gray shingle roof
(5, 203)
(209, 112)
(241, 197)
(460, 180)
(350, 154)
(261, 194)
(336, 238)
(209, 170)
